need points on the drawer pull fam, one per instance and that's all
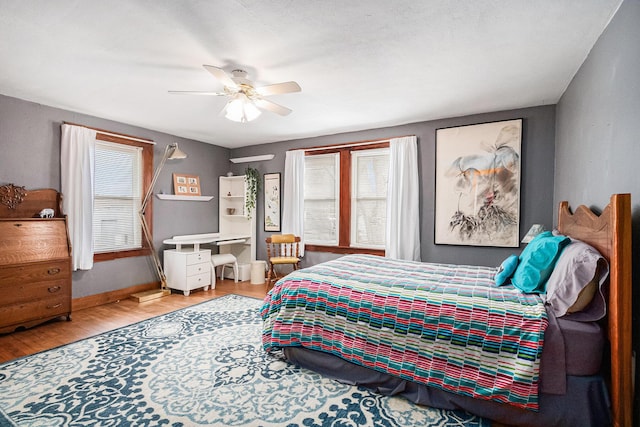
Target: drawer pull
(53, 271)
(54, 289)
(54, 306)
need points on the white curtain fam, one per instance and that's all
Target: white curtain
(293, 198)
(403, 200)
(77, 155)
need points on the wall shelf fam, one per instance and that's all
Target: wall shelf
(184, 198)
(252, 158)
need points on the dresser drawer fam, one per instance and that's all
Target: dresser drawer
(27, 274)
(198, 281)
(24, 292)
(198, 257)
(34, 310)
(195, 269)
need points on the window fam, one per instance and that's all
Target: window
(345, 198)
(117, 192)
(369, 176)
(322, 199)
(122, 174)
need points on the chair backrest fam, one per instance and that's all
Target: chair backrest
(283, 245)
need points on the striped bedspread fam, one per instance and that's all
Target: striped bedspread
(442, 325)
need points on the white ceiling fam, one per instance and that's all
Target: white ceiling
(361, 64)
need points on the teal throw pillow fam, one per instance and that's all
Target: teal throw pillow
(537, 262)
(506, 270)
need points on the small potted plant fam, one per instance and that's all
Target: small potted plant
(252, 178)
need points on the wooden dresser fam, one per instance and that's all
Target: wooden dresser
(35, 258)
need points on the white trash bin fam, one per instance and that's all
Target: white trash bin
(257, 272)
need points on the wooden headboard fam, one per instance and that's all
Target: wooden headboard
(610, 233)
(17, 202)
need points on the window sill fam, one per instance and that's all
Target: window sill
(109, 256)
(343, 250)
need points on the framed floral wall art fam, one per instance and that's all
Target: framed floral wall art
(272, 202)
(478, 184)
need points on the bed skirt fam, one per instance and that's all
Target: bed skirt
(585, 404)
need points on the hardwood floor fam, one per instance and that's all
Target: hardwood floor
(92, 321)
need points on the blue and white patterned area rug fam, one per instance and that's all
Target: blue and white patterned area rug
(199, 366)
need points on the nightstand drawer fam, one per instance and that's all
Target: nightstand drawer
(198, 281)
(195, 269)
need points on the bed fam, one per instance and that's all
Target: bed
(447, 336)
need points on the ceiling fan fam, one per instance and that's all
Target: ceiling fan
(245, 99)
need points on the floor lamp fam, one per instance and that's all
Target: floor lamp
(171, 152)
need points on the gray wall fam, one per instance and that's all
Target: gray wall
(598, 129)
(30, 138)
(536, 204)
(30, 142)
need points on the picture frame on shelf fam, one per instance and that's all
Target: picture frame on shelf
(186, 185)
(478, 184)
(272, 211)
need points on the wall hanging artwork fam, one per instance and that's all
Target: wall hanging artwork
(478, 184)
(272, 202)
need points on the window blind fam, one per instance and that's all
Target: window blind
(118, 194)
(321, 199)
(369, 177)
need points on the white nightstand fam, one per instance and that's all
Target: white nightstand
(188, 269)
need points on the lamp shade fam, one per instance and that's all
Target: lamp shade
(533, 232)
(176, 153)
(241, 109)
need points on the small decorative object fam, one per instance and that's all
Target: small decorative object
(272, 202)
(478, 184)
(229, 194)
(12, 195)
(252, 177)
(533, 232)
(229, 174)
(231, 211)
(46, 213)
(186, 185)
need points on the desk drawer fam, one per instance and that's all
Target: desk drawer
(198, 281)
(195, 269)
(199, 257)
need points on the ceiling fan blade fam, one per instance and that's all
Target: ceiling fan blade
(279, 88)
(272, 106)
(194, 92)
(221, 75)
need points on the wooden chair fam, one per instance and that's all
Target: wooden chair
(282, 249)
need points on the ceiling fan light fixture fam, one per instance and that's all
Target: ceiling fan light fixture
(241, 109)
